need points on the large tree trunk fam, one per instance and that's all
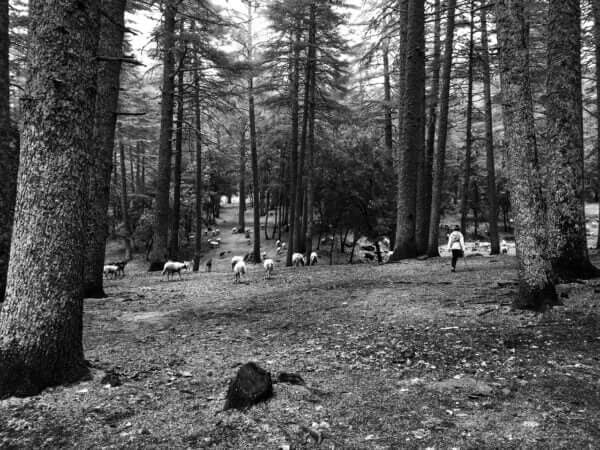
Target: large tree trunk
(174, 242)
(159, 253)
(464, 197)
(388, 128)
(198, 178)
(310, 188)
(412, 137)
(489, 139)
(565, 181)
(253, 150)
(41, 319)
(425, 183)
(536, 288)
(242, 188)
(294, 85)
(298, 241)
(125, 204)
(9, 153)
(101, 168)
(439, 161)
(596, 14)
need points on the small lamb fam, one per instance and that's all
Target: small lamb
(314, 258)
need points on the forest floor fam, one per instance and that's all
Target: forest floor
(405, 355)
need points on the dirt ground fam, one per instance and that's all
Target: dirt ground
(405, 355)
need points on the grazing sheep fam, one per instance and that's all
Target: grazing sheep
(297, 259)
(110, 269)
(268, 264)
(238, 270)
(235, 260)
(314, 258)
(120, 267)
(278, 243)
(172, 267)
(234, 230)
(214, 243)
(283, 245)
(278, 251)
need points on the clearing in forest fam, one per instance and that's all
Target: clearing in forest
(403, 355)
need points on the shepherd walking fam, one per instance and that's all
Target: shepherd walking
(456, 244)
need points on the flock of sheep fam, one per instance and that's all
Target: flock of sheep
(238, 264)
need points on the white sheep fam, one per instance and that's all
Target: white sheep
(172, 267)
(278, 251)
(234, 230)
(314, 258)
(283, 245)
(278, 243)
(238, 270)
(269, 264)
(111, 269)
(297, 259)
(235, 260)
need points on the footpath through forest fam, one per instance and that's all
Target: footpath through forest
(405, 355)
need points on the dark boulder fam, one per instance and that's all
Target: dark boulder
(251, 385)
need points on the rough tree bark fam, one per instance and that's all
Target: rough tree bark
(536, 288)
(412, 136)
(253, 150)
(242, 188)
(464, 196)
(310, 188)
(159, 253)
(565, 181)
(9, 153)
(125, 204)
(596, 15)
(198, 178)
(41, 319)
(174, 239)
(425, 184)
(293, 167)
(489, 138)
(107, 98)
(439, 160)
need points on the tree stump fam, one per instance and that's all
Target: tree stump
(251, 385)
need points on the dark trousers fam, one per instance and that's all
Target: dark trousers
(455, 255)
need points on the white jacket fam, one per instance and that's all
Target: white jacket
(459, 241)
